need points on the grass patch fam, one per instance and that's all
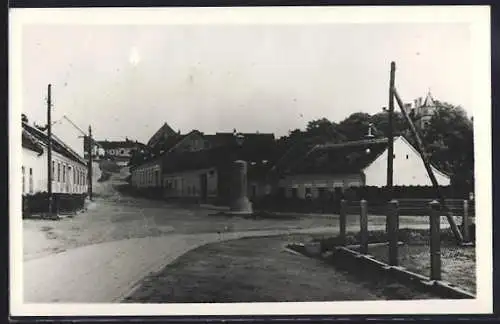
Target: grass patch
(258, 270)
(458, 263)
(413, 236)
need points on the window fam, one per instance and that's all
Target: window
(64, 174)
(53, 170)
(31, 180)
(74, 176)
(308, 192)
(24, 180)
(122, 152)
(407, 156)
(58, 171)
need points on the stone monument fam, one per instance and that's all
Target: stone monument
(239, 199)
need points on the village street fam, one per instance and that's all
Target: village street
(101, 254)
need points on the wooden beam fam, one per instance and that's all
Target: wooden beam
(425, 159)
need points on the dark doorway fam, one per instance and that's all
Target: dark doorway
(203, 187)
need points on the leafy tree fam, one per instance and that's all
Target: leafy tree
(449, 139)
(355, 127)
(324, 129)
(381, 122)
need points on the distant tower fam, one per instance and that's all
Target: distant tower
(424, 110)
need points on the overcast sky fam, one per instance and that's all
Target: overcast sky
(129, 80)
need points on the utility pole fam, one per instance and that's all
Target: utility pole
(49, 148)
(390, 135)
(90, 164)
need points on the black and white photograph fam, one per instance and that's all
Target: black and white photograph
(201, 161)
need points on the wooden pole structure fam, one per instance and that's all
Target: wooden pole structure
(49, 147)
(390, 135)
(465, 221)
(393, 228)
(343, 221)
(89, 185)
(435, 238)
(421, 150)
(363, 221)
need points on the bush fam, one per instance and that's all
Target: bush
(377, 198)
(61, 202)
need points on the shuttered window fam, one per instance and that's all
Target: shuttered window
(31, 180)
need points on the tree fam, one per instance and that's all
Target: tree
(449, 139)
(381, 122)
(324, 129)
(355, 127)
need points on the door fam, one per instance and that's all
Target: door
(203, 187)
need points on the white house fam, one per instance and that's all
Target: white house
(359, 163)
(69, 169)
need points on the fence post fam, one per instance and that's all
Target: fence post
(364, 227)
(343, 221)
(435, 244)
(465, 221)
(393, 228)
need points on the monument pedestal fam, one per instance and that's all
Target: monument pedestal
(240, 205)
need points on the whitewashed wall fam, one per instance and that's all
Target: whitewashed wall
(315, 181)
(147, 176)
(188, 184)
(38, 166)
(409, 169)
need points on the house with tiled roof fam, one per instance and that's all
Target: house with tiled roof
(162, 134)
(69, 169)
(326, 167)
(197, 165)
(119, 151)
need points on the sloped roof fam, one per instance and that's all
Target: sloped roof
(41, 139)
(30, 142)
(117, 144)
(258, 160)
(164, 129)
(294, 153)
(348, 157)
(221, 139)
(429, 101)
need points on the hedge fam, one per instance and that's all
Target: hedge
(413, 200)
(61, 203)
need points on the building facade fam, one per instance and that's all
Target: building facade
(326, 168)
(198, 166)
(69, 170)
